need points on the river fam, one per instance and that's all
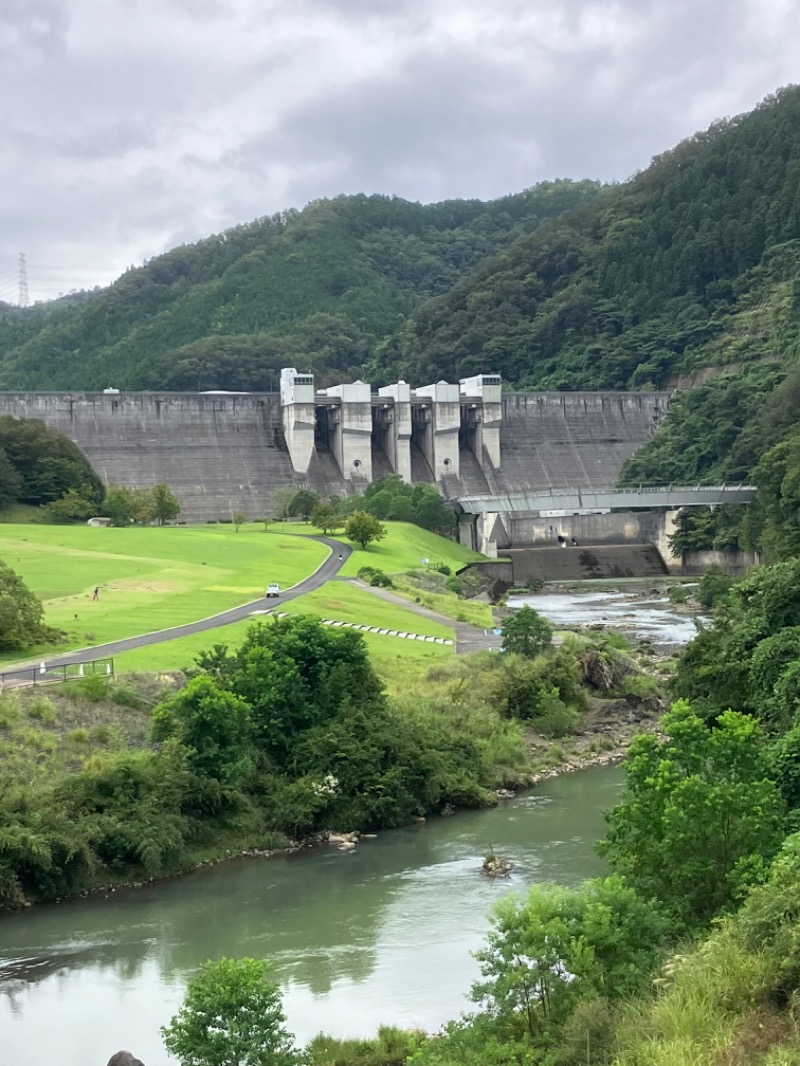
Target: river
(638, 614)
(379, 935)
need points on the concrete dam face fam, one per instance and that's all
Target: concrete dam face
(228, 452)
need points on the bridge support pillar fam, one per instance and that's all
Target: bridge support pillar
(352, 431)
(297, 412)
(439, 441)
(397, 440)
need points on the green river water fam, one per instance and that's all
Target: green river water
(380, 935)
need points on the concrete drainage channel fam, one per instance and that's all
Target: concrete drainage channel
(370, 629)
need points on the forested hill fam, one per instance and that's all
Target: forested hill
(318, 288)
(693, 262)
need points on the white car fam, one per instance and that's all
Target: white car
(273, 589)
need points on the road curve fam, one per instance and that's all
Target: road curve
(328, 569)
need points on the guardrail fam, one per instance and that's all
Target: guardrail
(45, 674)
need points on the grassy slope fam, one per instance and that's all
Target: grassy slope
(391, 656)
(402, 549)
(149, 579)
(348, 604)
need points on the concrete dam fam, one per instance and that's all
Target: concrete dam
(228, 452)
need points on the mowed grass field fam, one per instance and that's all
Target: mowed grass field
(149, 578)
(393, 658)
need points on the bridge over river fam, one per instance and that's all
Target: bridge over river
(588, 501)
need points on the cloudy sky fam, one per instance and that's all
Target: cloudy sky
(135, 125)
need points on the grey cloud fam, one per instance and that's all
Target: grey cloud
(37, 24)
(181, 117)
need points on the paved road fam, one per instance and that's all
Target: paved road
(330, 568)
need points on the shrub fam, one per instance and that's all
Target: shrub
(95, 689)
(713, 588)
(679, 594)
(375, 578)
(125, 696)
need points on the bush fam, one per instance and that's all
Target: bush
(679, 594)
(391, 1047)
(125, 696)
(713, 588)
(95, 689)
(375, 578)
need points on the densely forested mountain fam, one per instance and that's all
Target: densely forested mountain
(318, 288)
(693, 262)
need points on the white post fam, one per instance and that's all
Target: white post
(108, 668)
(42, 668)
(80, 670)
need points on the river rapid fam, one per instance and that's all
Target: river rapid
(638, 613)
(379, 935)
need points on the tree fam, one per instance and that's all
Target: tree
(324, 517)
(560, 945)
(46, 462)
(304, 503)
(698, 813)
(363, 528)
(282, 499)
(231, 1016)
(294, 673)
(213, 725)
(527, 633)
(21, 614)
(124, 505)
(72, 507)
(164, 506)
(118, 506)
(239, 518)
(10, 481)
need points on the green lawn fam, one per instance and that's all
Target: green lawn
(403, 548)
(394, 659)
(149, 578)
(153, 579)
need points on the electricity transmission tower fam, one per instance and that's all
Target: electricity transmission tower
(23, 281)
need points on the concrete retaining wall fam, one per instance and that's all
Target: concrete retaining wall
(219, 454)
(585, 564)
(730, 562)
(632, 527)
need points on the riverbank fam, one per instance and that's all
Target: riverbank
(607, 730)
(112, 784)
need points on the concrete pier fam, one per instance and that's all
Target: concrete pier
(393, 425)
(482, 416)
(297, 407)
(350, 428)
(436, 424)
